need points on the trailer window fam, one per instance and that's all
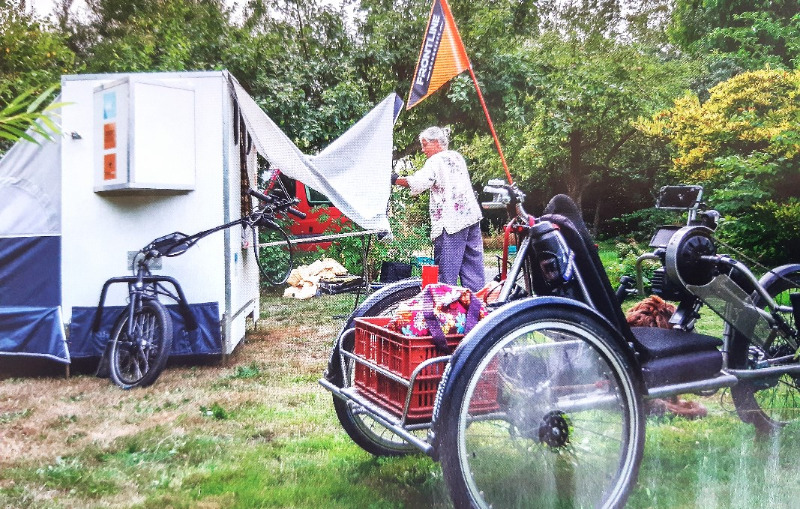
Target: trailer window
(317, 199)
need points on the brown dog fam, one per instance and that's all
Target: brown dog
(650, 312)
(656, 312)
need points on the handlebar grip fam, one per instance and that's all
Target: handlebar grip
(295, 212)
(493, 205)
(260, 196)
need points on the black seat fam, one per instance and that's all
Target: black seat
(563, 212)
(659, 343)
(666, 356)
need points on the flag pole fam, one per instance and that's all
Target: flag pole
(491, 126)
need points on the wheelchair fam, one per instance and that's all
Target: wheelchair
(565, 377)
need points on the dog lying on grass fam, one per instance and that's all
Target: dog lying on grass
(656, 312)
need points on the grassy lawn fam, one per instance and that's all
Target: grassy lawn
(258, 431)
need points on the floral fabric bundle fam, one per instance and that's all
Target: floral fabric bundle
(438, 310)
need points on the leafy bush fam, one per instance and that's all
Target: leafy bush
(625, 264)
(641, 224)
(743, 146)
(770, 232)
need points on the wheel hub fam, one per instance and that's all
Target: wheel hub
(554, 429)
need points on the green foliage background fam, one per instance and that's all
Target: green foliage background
(569, 85)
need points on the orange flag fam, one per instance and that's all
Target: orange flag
(442, 56)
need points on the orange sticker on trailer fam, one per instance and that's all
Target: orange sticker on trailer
(109, 166)
(109, 136)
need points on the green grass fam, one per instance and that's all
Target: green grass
(716, 462)
(261, 432)
(607, 253)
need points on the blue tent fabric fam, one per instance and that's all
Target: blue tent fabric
(30, 271)
(33, 331)
(205, 340)
(30, 295)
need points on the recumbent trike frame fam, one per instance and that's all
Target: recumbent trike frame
(569, 375)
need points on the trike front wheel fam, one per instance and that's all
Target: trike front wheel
(139, 350)
(544, 412)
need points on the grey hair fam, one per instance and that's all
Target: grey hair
(442, 135)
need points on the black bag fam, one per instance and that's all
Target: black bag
(394, 271)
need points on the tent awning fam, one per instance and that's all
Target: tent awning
(353, 171)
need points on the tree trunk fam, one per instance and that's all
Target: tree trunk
(574, 189)
(596, 222)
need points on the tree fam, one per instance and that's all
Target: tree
(565, 95)
(34, 55)
(297, 59)
(570, 110)
(150, 35)
(743, 145)
(752, 33)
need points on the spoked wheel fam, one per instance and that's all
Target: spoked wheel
(544, 412)
(273, 253)
(138, 358)
(368, 434)
(768, 403)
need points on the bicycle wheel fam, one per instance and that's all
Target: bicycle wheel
(768, 403)
(544, 412)
(368, 434)
(274, 254)
(138, 358)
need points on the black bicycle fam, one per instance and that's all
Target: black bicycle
(141, 338)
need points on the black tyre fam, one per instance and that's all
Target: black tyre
(768, 403)
(274, 254)
(544, 412)
(368, 434)
(137, 359)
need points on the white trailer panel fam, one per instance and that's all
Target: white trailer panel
(169, 132)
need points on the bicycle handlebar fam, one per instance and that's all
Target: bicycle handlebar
(505, 195)
(177, 243)
(261, 196)
(295, 212)
(283, 206)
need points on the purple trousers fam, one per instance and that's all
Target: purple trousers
(460, 254)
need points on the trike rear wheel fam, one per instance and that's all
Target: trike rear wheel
(363, 429)
(768, 403)
(544, 412)
(137, 357)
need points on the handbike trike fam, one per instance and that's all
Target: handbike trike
(566, 374)
(141, 337)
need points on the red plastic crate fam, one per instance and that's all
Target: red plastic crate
(401, 355)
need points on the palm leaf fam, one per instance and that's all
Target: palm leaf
(24, 115)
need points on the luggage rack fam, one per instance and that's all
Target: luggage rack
(407, 383)
(399, 424)
(398, 376)
(382, 416)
